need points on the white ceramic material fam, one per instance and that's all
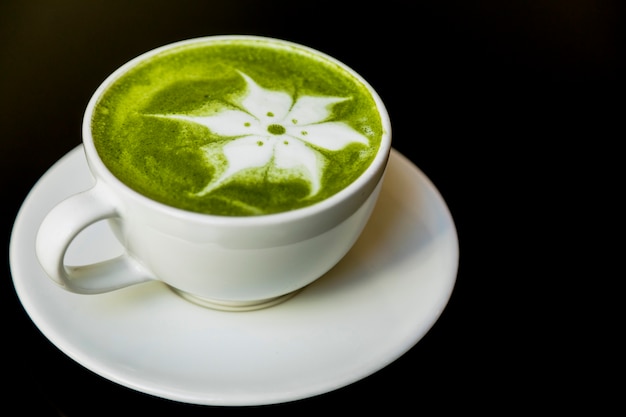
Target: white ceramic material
(224, 262)
(366, 312)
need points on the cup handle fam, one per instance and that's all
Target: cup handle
(62, 224)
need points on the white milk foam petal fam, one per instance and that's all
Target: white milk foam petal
(247, 153)
(242, 154)
(293, 154)
(308, 109)
(227, 123)
(266, 105)
(330, 135)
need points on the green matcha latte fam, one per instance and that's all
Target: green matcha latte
(237, 127)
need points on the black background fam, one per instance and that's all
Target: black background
(492, 100)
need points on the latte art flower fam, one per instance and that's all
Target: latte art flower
(273, 130)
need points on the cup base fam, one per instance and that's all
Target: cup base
(224, 305)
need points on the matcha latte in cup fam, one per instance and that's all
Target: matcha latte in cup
(234, 169)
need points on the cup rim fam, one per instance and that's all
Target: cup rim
(374, 171)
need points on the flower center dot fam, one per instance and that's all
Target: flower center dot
(276, 129)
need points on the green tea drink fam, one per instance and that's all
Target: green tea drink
(237, 127)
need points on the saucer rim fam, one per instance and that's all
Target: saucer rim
(40, 322)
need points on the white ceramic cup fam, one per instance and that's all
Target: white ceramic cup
(232, 263)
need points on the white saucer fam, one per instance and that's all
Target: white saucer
(369, 310)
